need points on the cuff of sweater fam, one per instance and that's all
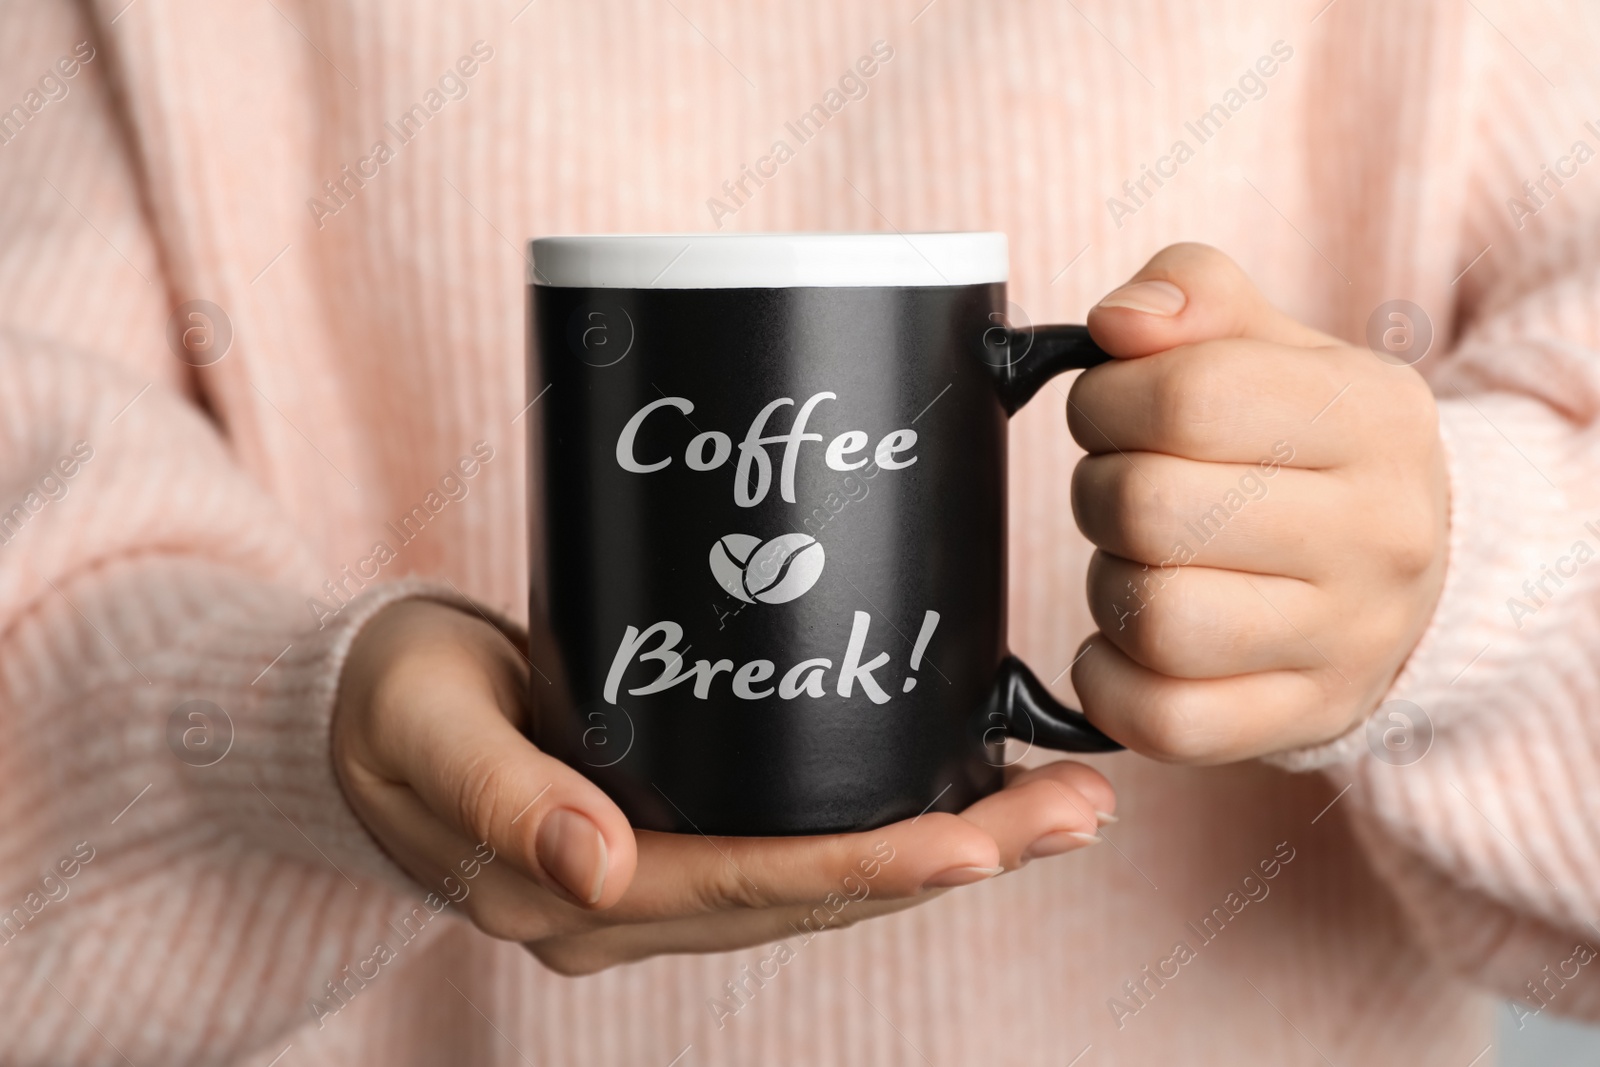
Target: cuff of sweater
(1507, 518)
(281, 772)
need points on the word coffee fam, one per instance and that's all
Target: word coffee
(711, 449)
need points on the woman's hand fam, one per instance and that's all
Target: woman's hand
(427, 747)
(1271, 510)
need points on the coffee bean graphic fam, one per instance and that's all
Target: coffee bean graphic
(771, 572)
(728, 557)
(784, 568)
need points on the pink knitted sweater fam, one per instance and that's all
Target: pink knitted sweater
(351, 184)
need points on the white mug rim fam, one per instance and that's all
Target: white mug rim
(768, 260)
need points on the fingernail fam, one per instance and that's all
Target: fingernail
(1153, 298)
(1105, 817)
(1053, 844)
(572, 851)
(960, 876)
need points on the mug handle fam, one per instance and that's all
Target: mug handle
(1046, 352)
(1019, 700)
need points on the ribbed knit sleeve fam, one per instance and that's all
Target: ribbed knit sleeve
(1487, 823)
(179, 874)
(180, 879)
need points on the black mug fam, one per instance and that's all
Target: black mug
(771, 483)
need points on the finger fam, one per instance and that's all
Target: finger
(1189, 293)
(1043, 816)
(451, 741)
(686, 874)
(505, 903)
(1229, 402)
(549, 821)
(858, 897)
(1168, 512)
(794, 927)
(1199, 622)
(1177, 720)
(571, 939)
(1093, 785)
(501, 898)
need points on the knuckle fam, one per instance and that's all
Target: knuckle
(480, 787)
(1402, 403)
(1413, 396)
(725, 889)
(1408, 540)
(1199, 255)
(1186, 260)
(1411, 534)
